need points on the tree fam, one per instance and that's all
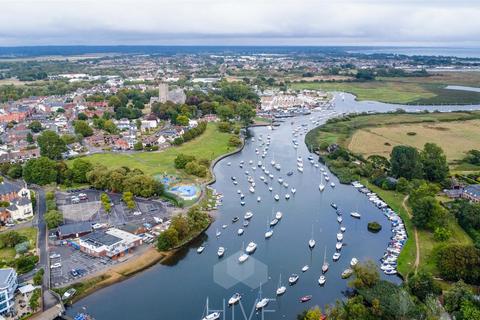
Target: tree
(246, 113)
(428, 213)
(182, 120)
(82, 116)
(53, 219)
(80, 168)
(234, 141)
(182, 159)
(15, 171)
(40, 171)
(114, 102)
(422, 285)
(454, 297)
(225, 113)
(30, 139)
(110, 127)
(51, 145)
(434, 163)
(138, 146)
(403, 186)
(405, 162)
(366, 275)
(105, 200)
(83, 128)
(455, 262)
(35, 126)
(180, 223)
(167, 239)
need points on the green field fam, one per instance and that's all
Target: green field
(209, 145)
(408, 90)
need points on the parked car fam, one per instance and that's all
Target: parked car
(56, 265)
(54, 255)
(69, 293)
(83, 196)
(74, 273)
(75, 200)
(137, 213)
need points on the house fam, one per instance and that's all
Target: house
(10, 191)
(472, 193)
(113, 243)
(122, 144)
(20, 209)
(8, 286)
(74, 230)
(148, 124)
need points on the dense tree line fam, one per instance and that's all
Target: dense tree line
(191, 133)
(191, 165)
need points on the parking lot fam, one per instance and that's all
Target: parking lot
(74, 265)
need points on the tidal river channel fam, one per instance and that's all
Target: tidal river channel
(179, 288)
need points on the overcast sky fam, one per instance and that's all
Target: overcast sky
(256, 22)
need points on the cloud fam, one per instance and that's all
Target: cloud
(239, 22)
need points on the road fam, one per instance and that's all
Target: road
(49, 300)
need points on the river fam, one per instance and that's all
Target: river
(178, 289)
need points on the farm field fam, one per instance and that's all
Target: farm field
(209, 145)
(455, 138)
(407, 90)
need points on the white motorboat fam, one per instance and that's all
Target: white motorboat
(239, 191)
(336, 256)
(224, 226)
(200, 249)
(332, 184)
(276, 197)
(259, 199)
(235, 183)
(280, 180)
(246, 223)
(311, 243)
(234, 299)
(339, 219)
(269, 234)
(300, 169)
(281, 288)
(343, 229)
(321, 187)
(338, 246)
(278, 215)
(240, 231)
(220, 251)
(322, 280)
(293, 279)
(339, 236)
(248, 215)
(287, 196)
(251, 247)
(270, 189)
(293, 190)
(242, 196)
(273, 222)
(244, 257)
(218, 233)
(305, 268)
(327, 178)
(251, 189)
(347, 273)
(353, 262)
(355, 214)
(277, 166)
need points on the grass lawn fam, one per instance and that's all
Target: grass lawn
(455, 138)
(408, 90)
(209, 145)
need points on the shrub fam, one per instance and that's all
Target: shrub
(442, 234)
(374, 226)
(234, 141)
(224, 126)
(182, 159)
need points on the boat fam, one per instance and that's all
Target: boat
(293, 190)
(276, 197)
(277, 166)
(248, 215)
(343, 229)
(246, 223)
(281, 288)
(212, 316)
(347, 273)
(325, 263)
(285, 184)
(353, 262)
(270, 189)
(332, 184)
(269, 234)
(244, 257)
(235, 219)
(234, 299)
(261, 303)
(390, 272)
(242, 196)
(278, 215)
(293, 279)
(200, 249)
(339, 219)
(273, 222)
(339, 236)
(218, 233)
(251, 247)
(333, 205)
(240, 231)
(287, 196)
(251, 189)
(322, 280)
(338, 246)
(280, 180)
(224, 226)
(355, 214)
(220, 251)
(305, 268)
(242, 203)
(300, 169)
(305, 298)
(259, 199)
(321, 186)
(327, 178)
(336, 256)
(235, 182)
(233, 178)
(290, 173)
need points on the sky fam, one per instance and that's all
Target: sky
(240, 22)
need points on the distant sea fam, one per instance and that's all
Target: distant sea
(37, 51)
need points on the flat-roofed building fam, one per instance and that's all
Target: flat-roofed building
(113, 243)
(8, 285)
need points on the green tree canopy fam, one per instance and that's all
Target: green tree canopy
(40, 171)
(434, 162)
(405, 162)
(51, 145)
